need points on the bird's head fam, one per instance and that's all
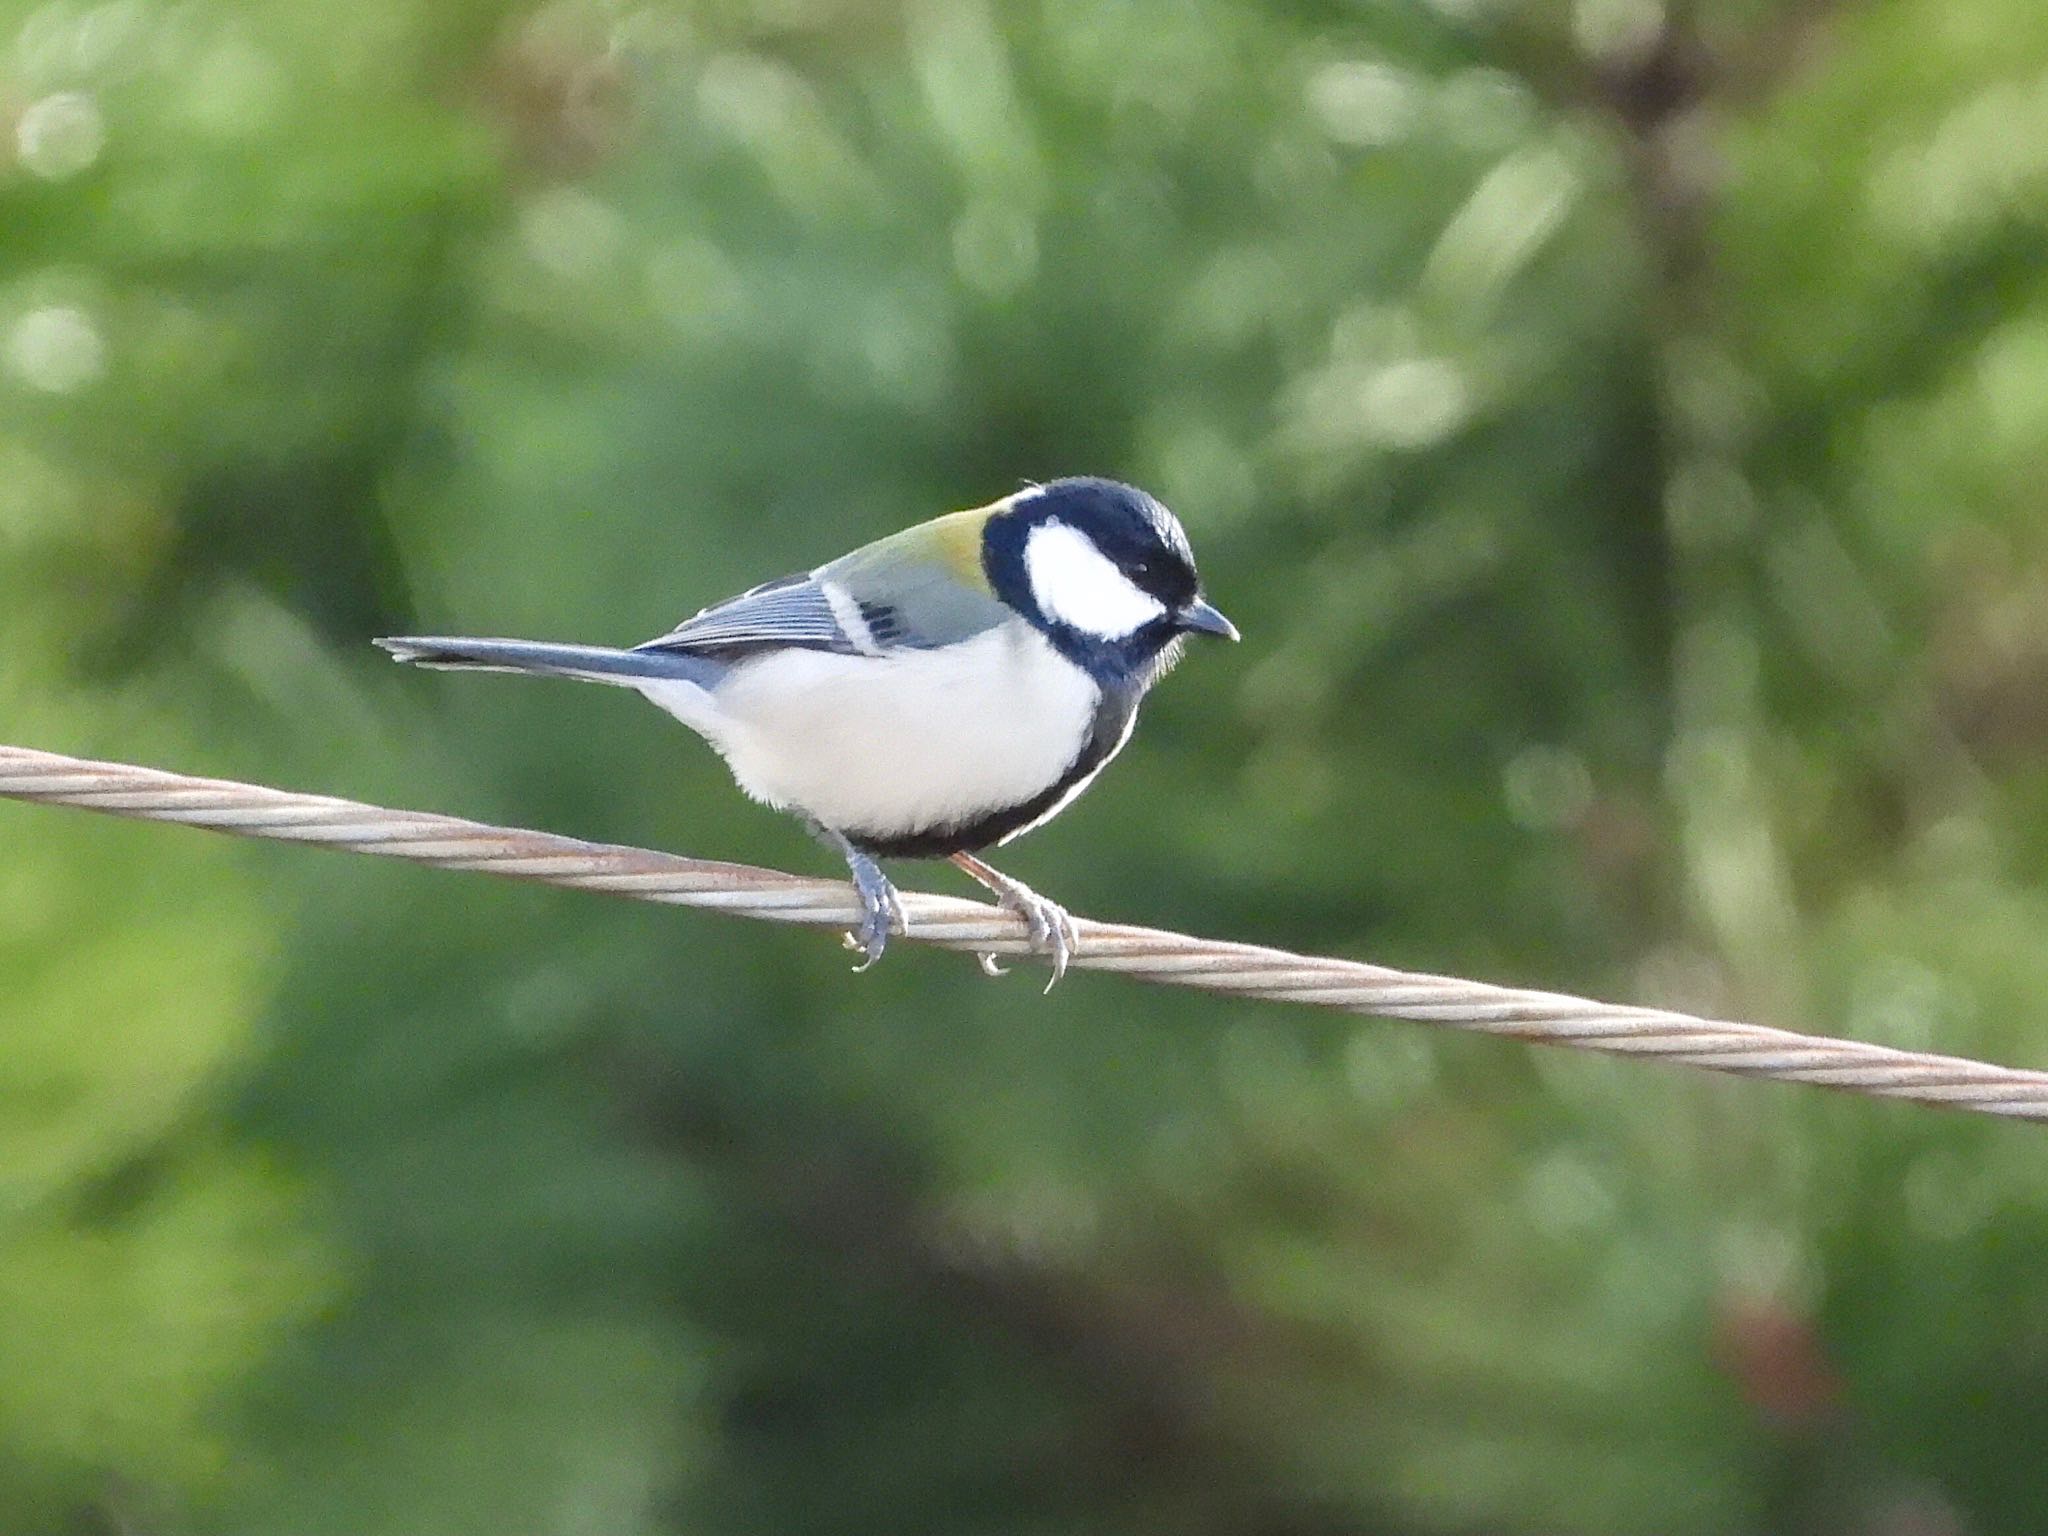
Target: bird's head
(1103, 570)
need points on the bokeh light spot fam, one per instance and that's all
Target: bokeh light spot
(57, 350)
(1364, 104)
(1547, 787)
(571, 233)
(60, 135)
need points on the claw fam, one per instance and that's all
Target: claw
(881, 911)
(1053, 931)
(881, 908)
(870, 938)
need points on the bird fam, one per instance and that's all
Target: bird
(938, 692)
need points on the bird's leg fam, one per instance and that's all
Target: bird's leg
(1053, 933)
(880, 906)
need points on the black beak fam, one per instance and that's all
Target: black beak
(1202, 615)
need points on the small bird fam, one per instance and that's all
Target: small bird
(929, 695)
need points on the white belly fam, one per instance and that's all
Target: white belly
(891, 745)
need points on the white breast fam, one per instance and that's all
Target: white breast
(891, 745)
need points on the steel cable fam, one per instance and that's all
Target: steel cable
(1173, 959)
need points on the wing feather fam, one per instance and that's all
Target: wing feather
(918, 589)
(792, 611)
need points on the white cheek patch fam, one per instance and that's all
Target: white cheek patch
(1077, 584)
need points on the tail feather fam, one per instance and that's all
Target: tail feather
(590, 663)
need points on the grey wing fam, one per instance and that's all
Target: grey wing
(819, 611)
(792, 611)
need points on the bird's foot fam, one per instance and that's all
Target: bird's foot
(1052, 928)
(881, 909)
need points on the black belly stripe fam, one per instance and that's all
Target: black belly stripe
(1105, 734)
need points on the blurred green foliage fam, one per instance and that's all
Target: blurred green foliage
(1619, 429)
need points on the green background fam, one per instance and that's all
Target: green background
(1621, 432)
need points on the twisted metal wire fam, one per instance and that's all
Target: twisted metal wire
(1174, 959)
